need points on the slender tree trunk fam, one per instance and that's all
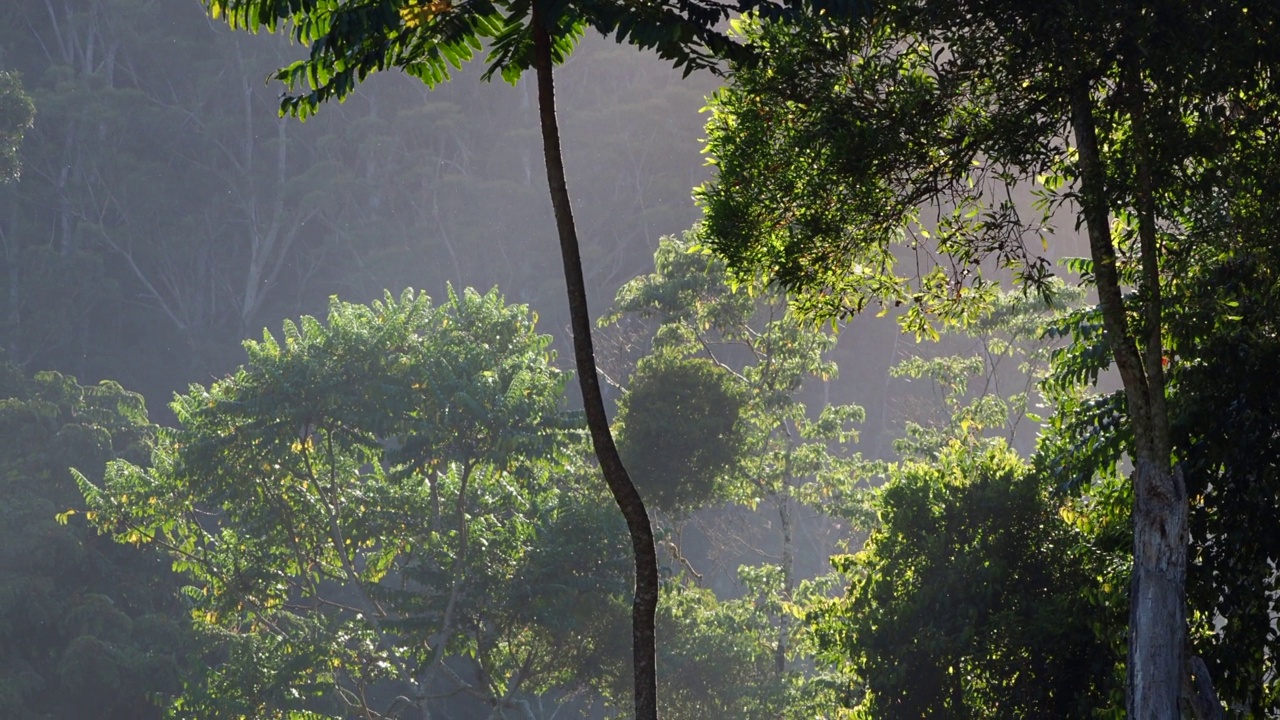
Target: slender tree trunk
(1157, 615)
(788, 575)
(788, 556)
(645, 604)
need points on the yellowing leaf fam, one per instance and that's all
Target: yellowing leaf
(416, 15)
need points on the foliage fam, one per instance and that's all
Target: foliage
(354, 508)
(816, 181)
(1013, 346)
(87, 629)
(680, 431)
(572, 585)
(707, 639)
(1088, 432)
(829, 150)
(350, 40)
(849, 137)
(760, 347)
(17, 114)
(969, 600)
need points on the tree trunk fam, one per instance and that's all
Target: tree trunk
(788, 558)
(788, 578)
(1157, 611)
(645, 603)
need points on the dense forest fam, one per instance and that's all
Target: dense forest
(926, 348)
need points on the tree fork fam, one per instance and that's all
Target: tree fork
(1157, 597)
(645, 603)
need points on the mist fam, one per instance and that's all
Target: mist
(289, 426)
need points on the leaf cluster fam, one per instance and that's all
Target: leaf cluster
(680, 431)
(17, 114)
(347, 40)
(848, 139)
(967, 600)
(352, 505)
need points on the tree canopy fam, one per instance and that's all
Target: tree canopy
(918, 122)
(357, 504)
(967, 600)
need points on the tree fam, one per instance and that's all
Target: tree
(423, 39)
(721, 656)
(970, 598)
(1220, 305)
(87, 628)
(681, 431)
(828, 151)
(354, 508)
(350, 40)
(743, 347)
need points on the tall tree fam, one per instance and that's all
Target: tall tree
(920, 119)
(348, 40)
(1220, 310)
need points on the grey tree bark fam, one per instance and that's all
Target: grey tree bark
(1157, 619)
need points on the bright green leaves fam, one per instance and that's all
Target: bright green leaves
(352, 502)
(350, 39)
(746, 348)
(858, 165)
(17, 113)
(971, 570)
(1010, 378)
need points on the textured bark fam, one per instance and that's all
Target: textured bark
(1157, 617)
(645, 603)
(1157, 612)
